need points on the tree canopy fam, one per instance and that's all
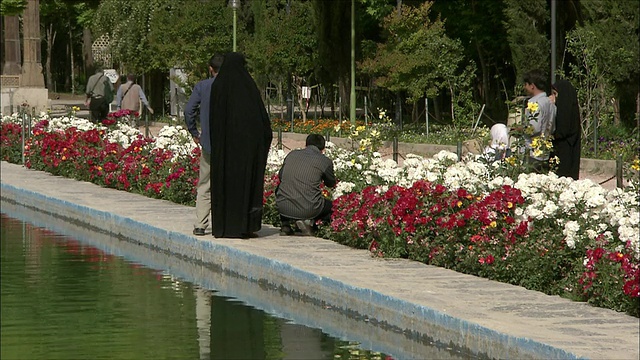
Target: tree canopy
(456, 52)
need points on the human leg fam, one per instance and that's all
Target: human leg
(325, 214)
(99, 109)
(285, 229)
(203, 190)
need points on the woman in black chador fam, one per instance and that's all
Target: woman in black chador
(241, 135)
(566, 143)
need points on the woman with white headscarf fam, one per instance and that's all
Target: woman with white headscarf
(499, 142)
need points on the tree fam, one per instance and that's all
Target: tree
(334, 46)
(284, 43)
(609, 38)
(480, 28)
(12, 7)
(526, 24)
(186, 33)
(417, 57)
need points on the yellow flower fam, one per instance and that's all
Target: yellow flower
(532, 107)
(459, 203)
(511, 160)
(360, 128)
(529, 130)
(509, 204)
(636, 164)
(493, 224)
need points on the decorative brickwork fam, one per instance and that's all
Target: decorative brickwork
(101, 51)
(9, 81)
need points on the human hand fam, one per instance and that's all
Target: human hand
(86, 103)
(196, 140)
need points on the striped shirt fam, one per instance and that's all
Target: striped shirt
(303, 171)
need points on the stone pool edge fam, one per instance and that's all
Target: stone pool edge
(393, 311)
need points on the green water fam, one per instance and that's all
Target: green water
(62, 299)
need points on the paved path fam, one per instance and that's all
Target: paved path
(500, 320)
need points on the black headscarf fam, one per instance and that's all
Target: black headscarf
(241, 135)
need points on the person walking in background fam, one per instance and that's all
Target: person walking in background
(197, 110)
(540, 113)
(299, 196)
(568, 135)
(99, 95)
(241, 135)
(129, 97)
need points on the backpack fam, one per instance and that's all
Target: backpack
(108, 91)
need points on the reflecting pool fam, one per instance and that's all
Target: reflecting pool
(62, 299)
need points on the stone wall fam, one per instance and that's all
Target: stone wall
(14, 96)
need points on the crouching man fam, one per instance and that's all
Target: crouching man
(299, 197)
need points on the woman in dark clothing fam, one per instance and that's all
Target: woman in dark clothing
(241, 135)
(566, 143)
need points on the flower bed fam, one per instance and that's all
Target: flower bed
(563, 237)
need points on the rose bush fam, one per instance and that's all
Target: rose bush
(556, 235)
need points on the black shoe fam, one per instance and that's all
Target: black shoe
(250, 235)
(305, 227)
(286, 230)
(198, 231)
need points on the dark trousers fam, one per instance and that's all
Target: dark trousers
(99, 109)
(324, 216)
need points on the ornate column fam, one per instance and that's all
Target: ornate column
(32, 66)
(11, 43)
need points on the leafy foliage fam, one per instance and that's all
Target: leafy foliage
(526, 23)
(12, 7)
(286, 33)
(187, 33)
(419, 58)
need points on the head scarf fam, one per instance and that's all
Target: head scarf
(499, 136)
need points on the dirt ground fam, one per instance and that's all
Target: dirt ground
(66, 96)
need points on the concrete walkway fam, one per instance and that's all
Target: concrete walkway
(490, 318)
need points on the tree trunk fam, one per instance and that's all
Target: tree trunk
(73, 78)
(298, 85)
(638, 110)
(280, 99)
(11, 41)
(51, 38)
(87, 54)
(344, 94)
(453, 99)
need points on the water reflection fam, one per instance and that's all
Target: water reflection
(66, 300)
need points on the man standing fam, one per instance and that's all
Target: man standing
(129, 96)
(99, 95)
(541, 113)
(199, 103)
(299, 196)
